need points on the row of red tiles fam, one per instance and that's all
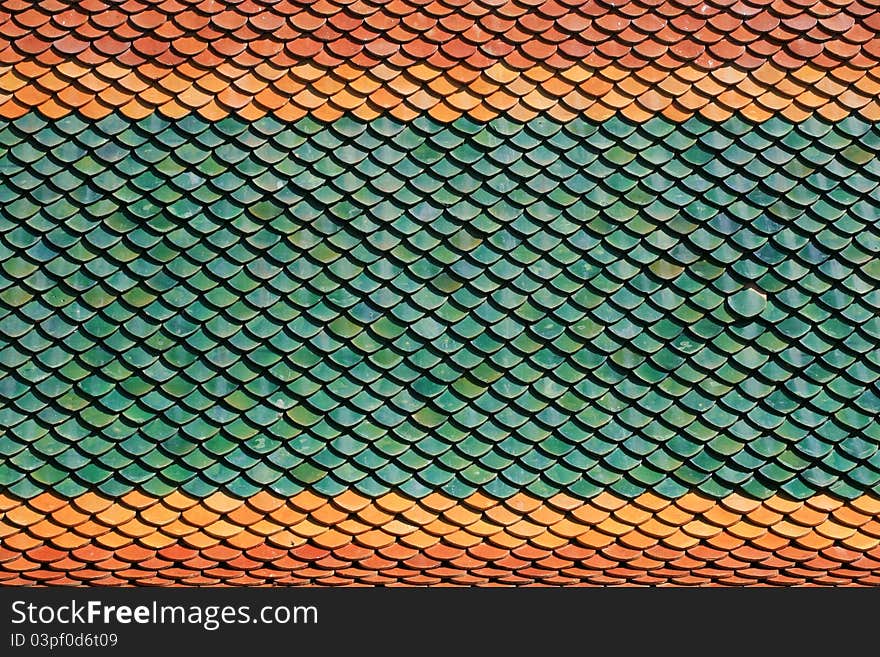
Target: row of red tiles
(401, 19)
(511, 9)
(285, 33)
(481, 564)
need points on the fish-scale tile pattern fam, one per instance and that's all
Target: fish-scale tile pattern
(351, 539)
(444, 94)
(442, 33)
(406, 308)
(482, 59)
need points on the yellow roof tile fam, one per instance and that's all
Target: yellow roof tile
(65, 541)
(264, 527)
(45, 528)
(638, 540)
(483, 528)
(399, 528)
(287, 516)
(632, 515)
(113, 540)
(756, 114)
(824, 502)
(331, 539)
(327, 514)
(545, 515)
(307, 501)
(376, 538)
(374, 516)
(223, 529)
(307, 528)
(764, 516)
(502, 515)
(807, 516)
(91, 528)
(834, 530)
(614, 527)
(135, 529)
(463, 539)
(199, 516)
(286, 539)
(746, 530)
(790, 529)
(694, 503)
(867, 504)
(593, 538)
(461, 516)
(740, 503)
(608, 501)
(525, 529)
(157, 540)
(69, 516)
(179, 501)
(47, 502)
(24, 516)
(244, 516)
(701, 529)
(116, 514)
(680, 541)
(548, 541)
(725, 541)
(245, 540)
(440, 528)
(200, 540)
(590, 514)
(718, 515)
(505, 540)
(419, 515)
(437, 502)
(654, 527)
(861, 542)
(652, 101)
(420, 540)
(177, 528)
(814, 541)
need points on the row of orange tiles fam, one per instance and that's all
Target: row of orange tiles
(444, 34)
(326, 94)
(398, 564)
(815, 524)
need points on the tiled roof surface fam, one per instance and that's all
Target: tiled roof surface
(311, 90)
(417, 306)
(443, 32)
(444, 293)
(476, 58)
(353, 539)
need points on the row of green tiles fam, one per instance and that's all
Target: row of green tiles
(543, 348)
(485, 174)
